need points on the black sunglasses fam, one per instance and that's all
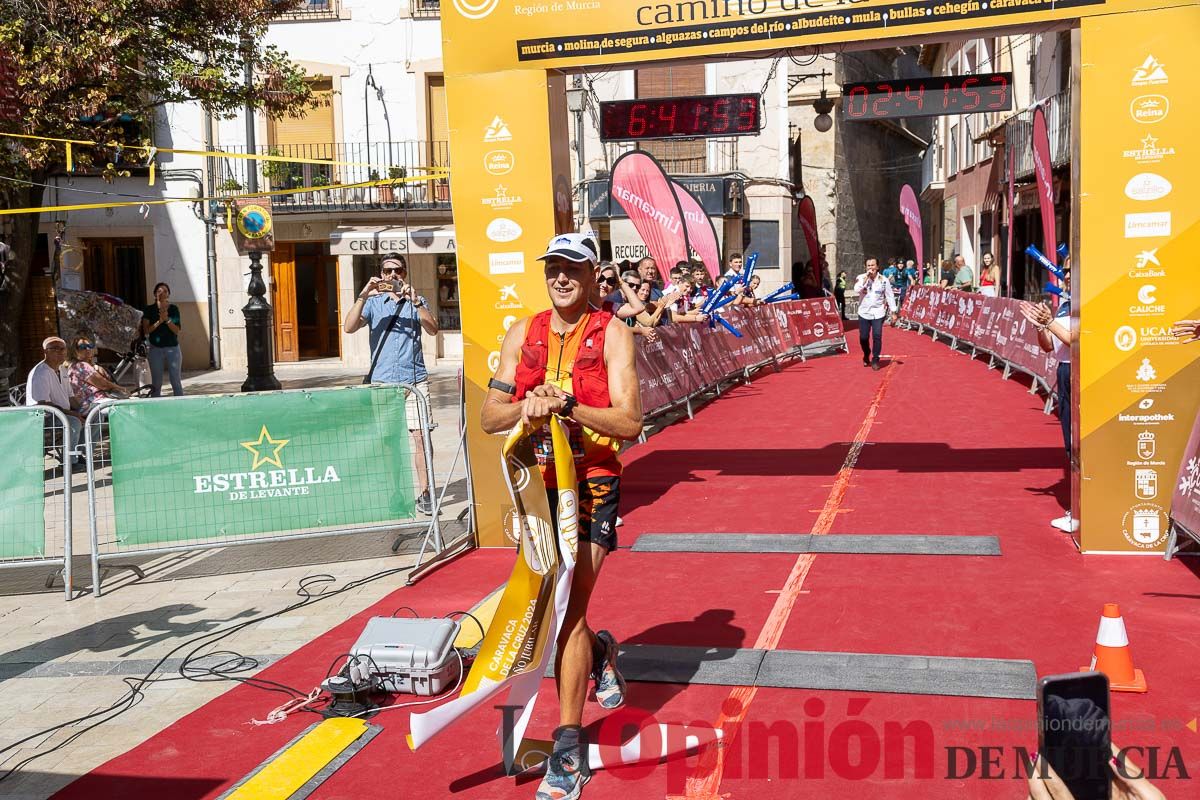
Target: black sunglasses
(392, 270)
(610, 279)
(85, 347)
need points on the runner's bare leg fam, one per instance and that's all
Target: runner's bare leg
(573, 661)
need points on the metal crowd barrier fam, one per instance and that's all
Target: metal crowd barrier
(111, 540)
(23, 543)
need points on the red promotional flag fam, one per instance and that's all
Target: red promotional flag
(806, 211)
(1012, 184)
(639, 184)
(1042, 169)
(700, 232)
(910, 209)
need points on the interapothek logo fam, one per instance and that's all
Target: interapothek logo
(475, 10)
(260, 484)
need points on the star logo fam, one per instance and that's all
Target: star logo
(264, 445)
(1150, 142)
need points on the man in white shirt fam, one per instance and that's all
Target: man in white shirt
(1056, 332)
(875, 300)
(48, 385)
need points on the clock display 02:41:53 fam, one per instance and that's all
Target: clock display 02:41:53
(928, 97)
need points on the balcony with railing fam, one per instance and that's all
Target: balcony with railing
(312, 10)
(349, 163)
(1018, 135)
(933, 174)
(685, 156)
(426, 9)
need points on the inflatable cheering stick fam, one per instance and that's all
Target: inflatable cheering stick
(1039, 257)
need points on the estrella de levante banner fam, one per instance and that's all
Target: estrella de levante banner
(196, 469)
(22, 487)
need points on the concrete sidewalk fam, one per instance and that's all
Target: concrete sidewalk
(61, 661)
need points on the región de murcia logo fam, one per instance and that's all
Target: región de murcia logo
(260, 484)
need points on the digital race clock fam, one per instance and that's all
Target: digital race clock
(681, 117)
(927, 97)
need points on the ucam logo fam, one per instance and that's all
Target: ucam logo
(477, 10)
(257, 484)
(1147, 186)
(1125, 338)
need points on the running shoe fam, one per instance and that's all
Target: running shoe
(424, 504)
(566, 773)
(610, 685)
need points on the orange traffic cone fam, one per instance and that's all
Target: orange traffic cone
(1112, 655)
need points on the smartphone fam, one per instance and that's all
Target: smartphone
(1075, 732)
(385, 286)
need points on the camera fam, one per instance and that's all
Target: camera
(387, 286)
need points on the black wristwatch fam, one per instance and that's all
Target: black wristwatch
(569, 406)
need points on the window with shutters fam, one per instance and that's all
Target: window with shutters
(310, 134)
(681, 156)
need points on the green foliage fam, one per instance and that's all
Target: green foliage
(123, 59)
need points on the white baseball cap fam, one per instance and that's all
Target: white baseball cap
(572, 247)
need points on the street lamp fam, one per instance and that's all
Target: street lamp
(823, 105)
(576, 102)
(260, 349)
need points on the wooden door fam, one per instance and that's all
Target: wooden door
(328, 313)
(283, 301)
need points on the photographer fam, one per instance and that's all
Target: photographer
(395, 315)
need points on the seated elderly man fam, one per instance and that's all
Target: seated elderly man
(48, 385)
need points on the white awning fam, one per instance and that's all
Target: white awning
(365, 240)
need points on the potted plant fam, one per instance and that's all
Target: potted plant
(229, 186)
(387, 192)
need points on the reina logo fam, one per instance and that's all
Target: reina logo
(1150, 73)
(1149, 109)
(257, 484)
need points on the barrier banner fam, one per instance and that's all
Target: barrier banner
(22, 486)
(643, 189)
(1185, 501)
(202, 468)
(910, 209)
(701, 234)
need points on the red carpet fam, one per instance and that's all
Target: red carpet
(952, 450)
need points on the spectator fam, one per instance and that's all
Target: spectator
(630, 289)
(1129, 782)
(989, 276)
(701, 283)
(1056, 333)
(90, 382)
(395, 316)
(930, 274)
(964, 278)
(948, 273)
(677, 271)
(648, 270)
(839, 293)
(748, 296)
(657, 311)
(875, 300)
(685, 308)
(734, 264)
(890, 271)
(160, 326)
(1187, 329)
(48, 385)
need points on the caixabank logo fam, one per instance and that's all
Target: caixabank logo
(262, 484)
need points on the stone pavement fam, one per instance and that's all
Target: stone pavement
(60, 660)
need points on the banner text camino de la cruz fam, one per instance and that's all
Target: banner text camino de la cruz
(195, 469)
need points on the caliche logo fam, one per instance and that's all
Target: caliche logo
(497, 131)
(1148, 109)
(258, 484)
(477, 10)
(503, 229)
(1147, 186)
(498, 162)
(1146, 293)
(1125, 338)
(1142, 526)
(1147, 305)
(1150, 73)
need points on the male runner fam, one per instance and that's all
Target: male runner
(578, 363)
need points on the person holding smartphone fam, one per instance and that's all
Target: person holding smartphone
(395, 316)
(876, 300)
(160, 326)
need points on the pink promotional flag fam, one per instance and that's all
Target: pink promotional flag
(1042, 170)
(639, 184)
(910, 209)
(700, 231)
(806, 211)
